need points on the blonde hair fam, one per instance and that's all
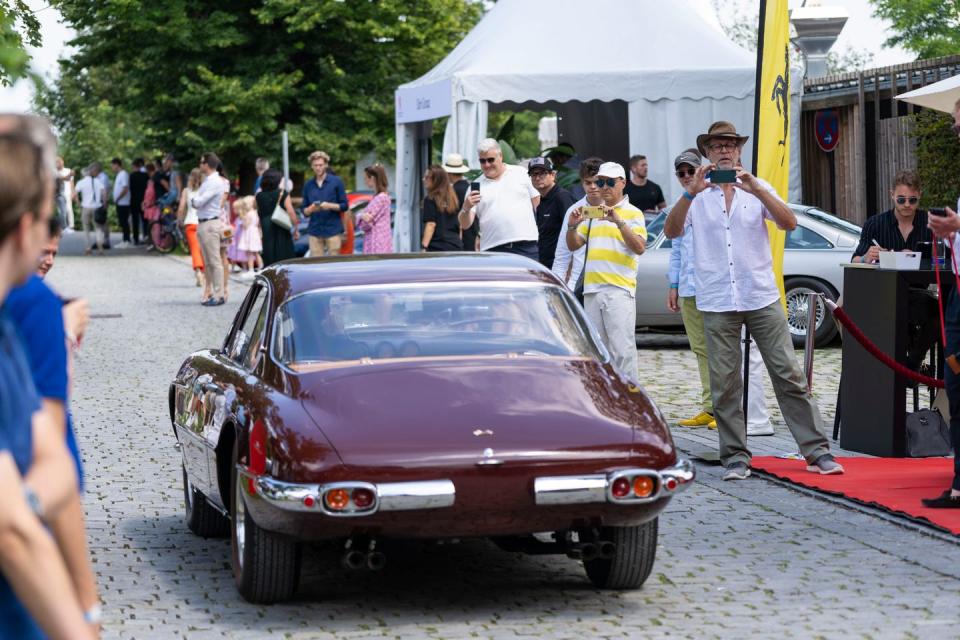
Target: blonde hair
(318, 154)
(195, 178)
(242, 206)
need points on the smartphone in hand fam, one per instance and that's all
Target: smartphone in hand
(940, 212)
(592, 213)
(723, 176)
(475, 186)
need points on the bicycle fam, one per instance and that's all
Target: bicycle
(165, 232)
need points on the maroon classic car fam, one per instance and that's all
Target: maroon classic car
(376, 398)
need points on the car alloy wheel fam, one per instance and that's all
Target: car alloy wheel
(239, 523)
(796, 297)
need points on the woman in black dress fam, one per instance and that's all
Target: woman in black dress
(441, 226)
(277, 241)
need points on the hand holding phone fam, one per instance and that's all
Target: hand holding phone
(475, 186)
(593, 213)
(940, 212)
(723, 176)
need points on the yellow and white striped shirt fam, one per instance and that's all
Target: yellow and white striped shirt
(610, 262)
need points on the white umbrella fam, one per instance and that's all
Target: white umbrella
(941, 96)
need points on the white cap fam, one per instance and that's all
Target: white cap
(612, 170)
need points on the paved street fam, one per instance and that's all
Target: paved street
(736, 560)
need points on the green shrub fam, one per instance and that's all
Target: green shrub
(937, 149)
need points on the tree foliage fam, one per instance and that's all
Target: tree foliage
(936, 158)
(228, 77)
(19, 27)
(928, 28)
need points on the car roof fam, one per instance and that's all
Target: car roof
(292, 277)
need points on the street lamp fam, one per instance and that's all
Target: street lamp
(817, 29)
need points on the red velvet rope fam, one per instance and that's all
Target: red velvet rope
(874, 350)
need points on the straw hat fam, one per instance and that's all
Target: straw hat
(454, 163)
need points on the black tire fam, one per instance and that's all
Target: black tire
(163, 240)
(202, 518)
(796, 290)
(266, 566)
(632, 561)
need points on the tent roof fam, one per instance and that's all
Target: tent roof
(563, 50)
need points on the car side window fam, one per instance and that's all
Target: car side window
(257, 339)
(803, 238)
(241, 339)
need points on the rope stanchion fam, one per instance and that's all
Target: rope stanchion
(875, 351)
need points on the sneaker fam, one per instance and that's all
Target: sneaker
(760, 429)
(737, 471)
(712, 424)
(943, 501)
(123, 245)
(825, 465)
(702, 419)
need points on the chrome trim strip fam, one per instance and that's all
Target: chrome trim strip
(390, 496)
(426, 494)
(595, 488)
(570, 489)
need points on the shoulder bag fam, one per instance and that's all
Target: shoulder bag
(100, 213)
(927, 434)
(578, 289)
(280, 217)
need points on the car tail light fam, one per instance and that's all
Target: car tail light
(362, 498)
(671, 484)
(643, 486)
(258, 449)
(620, 488)
(337, 499)
(309, 501)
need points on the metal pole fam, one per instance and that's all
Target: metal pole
(812, 300)
(746, 376)
(285, 141)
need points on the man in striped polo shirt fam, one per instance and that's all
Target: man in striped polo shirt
(610, 281)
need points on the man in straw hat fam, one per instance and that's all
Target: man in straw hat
(733, 275)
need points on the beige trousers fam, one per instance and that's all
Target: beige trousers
(208, 234)
(324, 246)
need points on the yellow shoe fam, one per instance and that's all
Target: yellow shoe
(712, 424)
(702, 419)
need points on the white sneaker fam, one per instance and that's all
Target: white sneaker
(246, 275)
(123, 245)
(760, 429)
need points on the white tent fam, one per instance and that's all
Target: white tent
(674, 72)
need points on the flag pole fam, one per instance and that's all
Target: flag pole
(756, 151)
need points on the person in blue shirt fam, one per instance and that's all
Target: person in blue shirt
(36, 596)
(41, 319)
(324, 201)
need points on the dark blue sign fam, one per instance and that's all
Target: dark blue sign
(826, 126)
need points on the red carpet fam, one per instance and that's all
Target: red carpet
(893, 484)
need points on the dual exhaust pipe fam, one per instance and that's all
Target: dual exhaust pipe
(587, 551)
(355, 560)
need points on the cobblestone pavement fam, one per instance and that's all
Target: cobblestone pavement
(736, 560)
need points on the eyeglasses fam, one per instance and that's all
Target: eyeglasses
(606, 182)
(905, 199)
(538, 174)
(488, 160)
(688, 173)
(723, 146)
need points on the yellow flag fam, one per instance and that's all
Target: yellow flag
(771, 150)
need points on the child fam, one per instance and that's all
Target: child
(235, 254)
(250, 242)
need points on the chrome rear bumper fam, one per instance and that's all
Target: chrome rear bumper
(594, 488)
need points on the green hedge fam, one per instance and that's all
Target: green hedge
(937, 150)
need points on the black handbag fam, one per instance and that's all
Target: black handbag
(927, 434)
(578, 288)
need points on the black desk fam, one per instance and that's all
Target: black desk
(872, 397)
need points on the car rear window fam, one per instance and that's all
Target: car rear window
(428, 321)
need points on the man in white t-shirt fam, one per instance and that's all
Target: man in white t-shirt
(92, 196)
(121, 197)
(504, 205)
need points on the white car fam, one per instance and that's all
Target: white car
(814, 252)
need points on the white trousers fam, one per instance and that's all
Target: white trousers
(757, 415)
(613, 312)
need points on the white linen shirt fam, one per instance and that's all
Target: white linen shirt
(733, 267)
(207, 198)
(505, 209)
(563, 256)
(122, 180)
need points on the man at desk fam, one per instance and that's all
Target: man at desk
(902, 228)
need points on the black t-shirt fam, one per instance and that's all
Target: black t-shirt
(645, 198)
(138, 187)
(461, 187)
(446, 235)
(158, 189)
(550, 212)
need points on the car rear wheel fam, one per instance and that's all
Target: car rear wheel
(266, 566)
(202, 518)
(796, 293)
(632, 561)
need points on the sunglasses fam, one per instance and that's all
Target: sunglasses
(606, 182)
(538, 174)
(488, 160)
(724, 146)
(688, 173)
(905, 199)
